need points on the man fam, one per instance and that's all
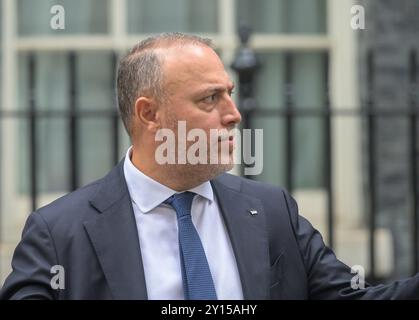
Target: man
(178, 231)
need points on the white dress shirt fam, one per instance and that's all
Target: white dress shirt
(158, 235)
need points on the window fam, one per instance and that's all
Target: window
(150, 16)
(308, 91)
(97, 29)
(94, 77)
(284, 16)
(94, 91)
(81, 17)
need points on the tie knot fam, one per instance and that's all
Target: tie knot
(181, 202)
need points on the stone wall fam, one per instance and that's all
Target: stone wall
(392, 31)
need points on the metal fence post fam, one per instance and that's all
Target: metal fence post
(289, 122)
(413, 157)
(73, 143)
(371, 162)
(246, 64)
(32, 139)
(115, 115)
(328, 140)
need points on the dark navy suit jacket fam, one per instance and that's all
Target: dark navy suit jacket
(92, 233)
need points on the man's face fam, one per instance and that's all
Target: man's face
(199, 93)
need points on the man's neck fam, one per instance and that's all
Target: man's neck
(168, 175)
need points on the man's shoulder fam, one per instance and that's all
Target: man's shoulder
(249, 186)
(77, 205)
(74, 203)
(273, 198)
(277, 203)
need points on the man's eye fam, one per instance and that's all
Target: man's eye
(210, 99)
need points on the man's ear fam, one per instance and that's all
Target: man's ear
(145, 112)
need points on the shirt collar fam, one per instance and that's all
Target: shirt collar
(147, 193)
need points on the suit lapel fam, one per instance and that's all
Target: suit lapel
(248, 235)
(115, 238)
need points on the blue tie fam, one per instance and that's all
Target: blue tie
(196, 275)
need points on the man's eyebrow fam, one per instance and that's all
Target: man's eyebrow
(217, 88)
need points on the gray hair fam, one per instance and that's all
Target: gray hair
(140, 71)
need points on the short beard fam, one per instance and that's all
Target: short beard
(189, 175)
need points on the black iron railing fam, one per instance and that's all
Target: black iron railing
(369, 114)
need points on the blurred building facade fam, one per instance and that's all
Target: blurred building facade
(74, 67)
(391, 35)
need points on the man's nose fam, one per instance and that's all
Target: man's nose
(231, 116)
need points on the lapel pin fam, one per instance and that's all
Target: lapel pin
(253, 212)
